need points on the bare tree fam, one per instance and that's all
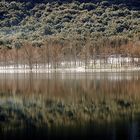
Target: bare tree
(29, 53)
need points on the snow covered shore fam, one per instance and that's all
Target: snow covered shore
(111, 64)
(67, 70)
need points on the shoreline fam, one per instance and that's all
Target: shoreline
(67, 70)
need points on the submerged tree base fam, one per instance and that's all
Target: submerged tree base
(19, 112)
(76, 69)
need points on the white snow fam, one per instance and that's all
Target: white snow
(114, 63)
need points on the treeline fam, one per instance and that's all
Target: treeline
(94, 1)
(59, 53)
(129, 3)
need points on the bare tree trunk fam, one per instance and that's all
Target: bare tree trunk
(29, 52)
(17, 58)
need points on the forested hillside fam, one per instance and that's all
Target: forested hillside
(49, 31)
(36, 20)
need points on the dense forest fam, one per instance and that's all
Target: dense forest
(38, 19)
(68, 29)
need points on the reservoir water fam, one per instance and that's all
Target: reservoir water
(71, 87)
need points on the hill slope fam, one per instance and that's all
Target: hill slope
(36, 20)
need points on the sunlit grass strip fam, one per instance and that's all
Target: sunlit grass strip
(18, 112)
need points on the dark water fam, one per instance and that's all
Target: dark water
(71, 87)
(125, 130)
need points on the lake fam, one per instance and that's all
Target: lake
(70, 87)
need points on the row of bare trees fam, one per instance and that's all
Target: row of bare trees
(56, 53)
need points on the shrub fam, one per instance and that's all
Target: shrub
(105, 3)
(47, 30)
(135, 14)
(88, 6)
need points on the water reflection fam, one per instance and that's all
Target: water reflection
(125, 130)
(70, 87)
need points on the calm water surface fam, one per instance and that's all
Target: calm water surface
(71, 87)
